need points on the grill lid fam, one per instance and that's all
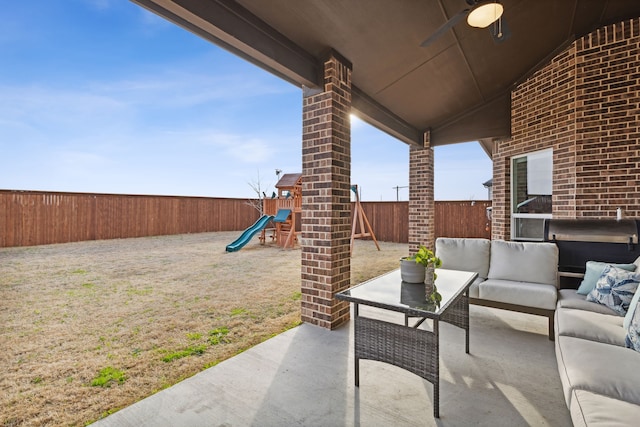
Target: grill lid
(592, 230)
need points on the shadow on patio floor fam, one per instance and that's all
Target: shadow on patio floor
(304, 377)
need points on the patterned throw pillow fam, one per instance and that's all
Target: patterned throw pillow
(593, 271)
(615, 289)
(632, 340)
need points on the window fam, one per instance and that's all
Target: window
(531, 189)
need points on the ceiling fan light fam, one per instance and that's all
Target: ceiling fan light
(485, 14)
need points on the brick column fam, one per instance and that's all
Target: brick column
(326, 196)
(501, 200)
(421, 204)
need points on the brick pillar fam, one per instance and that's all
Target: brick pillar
(501, 200)
(421, 204)
(326, 196)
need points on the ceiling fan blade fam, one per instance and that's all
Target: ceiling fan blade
(500, 31)
(443, 29)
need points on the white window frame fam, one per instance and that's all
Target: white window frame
(516, 216)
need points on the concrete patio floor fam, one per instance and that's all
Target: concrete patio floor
(304, 377)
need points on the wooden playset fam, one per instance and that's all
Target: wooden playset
(360, 219)
(286, 208)
(281, 217)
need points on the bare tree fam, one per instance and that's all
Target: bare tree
(260, 190)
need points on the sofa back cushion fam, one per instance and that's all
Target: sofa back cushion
(524, 262)
(464, 254)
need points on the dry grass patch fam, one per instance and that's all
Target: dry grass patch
(89, 328)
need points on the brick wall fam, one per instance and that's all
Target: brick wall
(584, 105)
(326, 197)
(607, 108)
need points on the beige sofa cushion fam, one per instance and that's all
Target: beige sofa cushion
(591, 326)
(464, 254)
(599, 368)
(521, 293)
(524, 262)
(569, 298)
(596, 410)
(474, 289)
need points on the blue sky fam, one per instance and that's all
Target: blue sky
(103, 96)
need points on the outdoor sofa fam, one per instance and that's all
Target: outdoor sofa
(597, 341)
(517, 276)
(600, 375)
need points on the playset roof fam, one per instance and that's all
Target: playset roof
(290, 180)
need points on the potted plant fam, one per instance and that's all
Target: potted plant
(420, 268)
(411, 271)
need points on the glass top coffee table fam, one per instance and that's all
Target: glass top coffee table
(410, 348)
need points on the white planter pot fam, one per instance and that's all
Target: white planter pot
(411, 272)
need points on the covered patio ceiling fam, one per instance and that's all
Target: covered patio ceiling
(458, 86)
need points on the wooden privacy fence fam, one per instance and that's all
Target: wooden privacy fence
(389, 220)
(29, 218)
(463, 219)
(37, 218)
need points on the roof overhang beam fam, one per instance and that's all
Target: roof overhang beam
(234, 28)
(237, 30)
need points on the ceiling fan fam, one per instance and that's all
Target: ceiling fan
(479, 14)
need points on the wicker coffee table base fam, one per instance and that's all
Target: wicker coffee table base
(410, 348)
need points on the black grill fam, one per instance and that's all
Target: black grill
(582, 240)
